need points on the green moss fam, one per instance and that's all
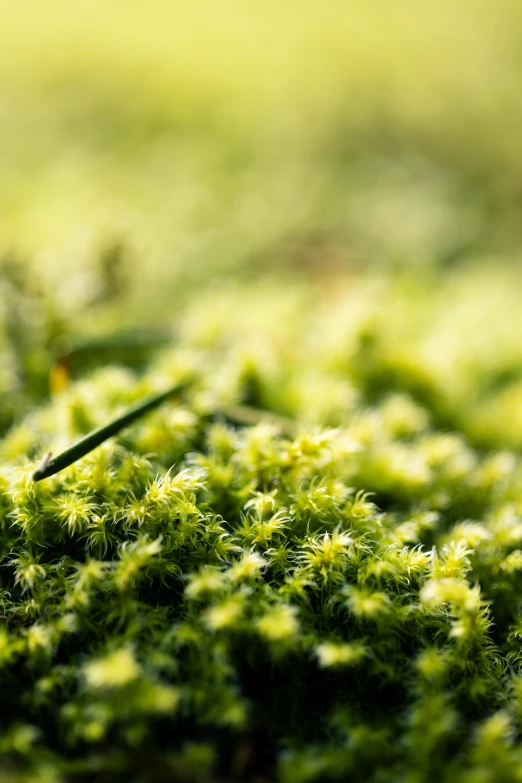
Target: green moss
(197, 600)
(316, 213)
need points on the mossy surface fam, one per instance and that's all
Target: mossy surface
(198, 601)
(311, 208)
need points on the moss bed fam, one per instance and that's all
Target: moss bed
(331, 593)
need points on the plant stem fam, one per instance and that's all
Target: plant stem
(248, 416)
(243, 415)
(48, 467)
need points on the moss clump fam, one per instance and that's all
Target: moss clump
(201, 601)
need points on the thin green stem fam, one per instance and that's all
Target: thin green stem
(122, 342)
(49, 466)
(243, 415)
(248, 416)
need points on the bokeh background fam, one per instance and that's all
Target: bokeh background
(226, 168)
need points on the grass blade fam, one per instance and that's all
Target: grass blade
(49, 466)
(242, 415)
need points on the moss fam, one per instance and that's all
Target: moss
(316, 214)
(197, 600)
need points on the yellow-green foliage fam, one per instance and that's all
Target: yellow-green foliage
(341, 602)
(311, 209)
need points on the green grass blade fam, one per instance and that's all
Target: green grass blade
(242, 415)
(49, 466)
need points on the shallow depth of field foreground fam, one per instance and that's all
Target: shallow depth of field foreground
(306, 564)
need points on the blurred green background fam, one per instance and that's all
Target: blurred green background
(251, 164)
(239, 136)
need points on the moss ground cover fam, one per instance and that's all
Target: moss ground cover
(307, 565)
(196, 600)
